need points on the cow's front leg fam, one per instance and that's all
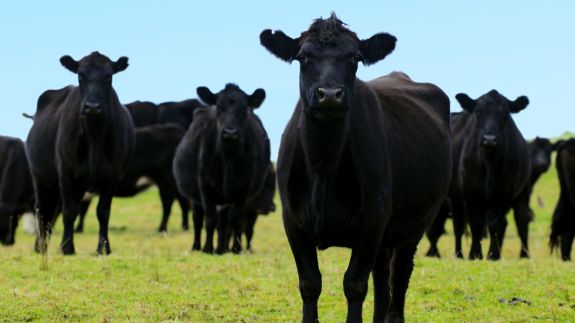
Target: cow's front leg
(305, 255)
(363, 256)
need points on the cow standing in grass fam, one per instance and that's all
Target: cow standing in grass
(540, 150)
(82, 140)
(493, 168)
(563, 223)
(222, 162)
(16, 191)
(363, 165)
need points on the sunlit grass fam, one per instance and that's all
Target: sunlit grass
(154, 277)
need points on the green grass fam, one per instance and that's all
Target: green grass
(154, 277)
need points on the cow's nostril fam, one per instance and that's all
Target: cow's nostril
(339, 94)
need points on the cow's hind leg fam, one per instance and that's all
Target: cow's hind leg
(167, 195)
(103, 212)
(198, 219)
(522, 214)
(47, 201)
(251, 217)
(436, 230)
(497, 226)
(84, 206)
(566, 244)
(401, 269)
(458, 218)
(381, 287)
(185, 207)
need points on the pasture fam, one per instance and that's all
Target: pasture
(154, 277)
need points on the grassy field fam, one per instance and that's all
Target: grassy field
(154, 277)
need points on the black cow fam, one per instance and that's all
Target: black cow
(223, 160)
(493, 169)
(153, 157)
(540, 150)
(363, 165)
(82, 140)
(16, 191)
(146, 113)
(563, 223)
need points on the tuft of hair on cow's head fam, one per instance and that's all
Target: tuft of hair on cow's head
(327, 31)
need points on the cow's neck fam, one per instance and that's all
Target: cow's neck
(323, 142)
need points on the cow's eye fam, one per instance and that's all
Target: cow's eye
(81, 77)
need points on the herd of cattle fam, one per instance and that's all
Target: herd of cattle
(372, 166)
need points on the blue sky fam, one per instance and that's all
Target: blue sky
(515, 47)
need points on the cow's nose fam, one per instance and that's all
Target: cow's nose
(92, 108)
(489, 141)
(330, 95)
(230, 133)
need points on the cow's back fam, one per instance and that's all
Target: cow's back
(417, 125)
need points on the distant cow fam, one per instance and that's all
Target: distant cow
(493, 168)
(16, 191)
(363, 165)
(540, 150)
(153, 157)
(146, 113)
(222, 160)
(563, 224)
(82, 140)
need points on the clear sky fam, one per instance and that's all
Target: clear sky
(516, 47)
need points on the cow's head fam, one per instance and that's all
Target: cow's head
(540, 150)
(8, 224)
(95, 73)
(492, 112)
(233, 106)
(328, 54)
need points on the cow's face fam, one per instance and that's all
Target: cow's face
(492, 112)
(233, 106)
(540, 150)
(95, 73)
(328, 54)
(8, 224)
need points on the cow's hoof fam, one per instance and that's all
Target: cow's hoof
(68, 249)
(104, 249)
(524, 254)
(208, 250)
(433, 252)
(459, 254)
(196, 246)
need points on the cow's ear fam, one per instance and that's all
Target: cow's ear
(519, 104)
(467, 103)
(377, 47)
(556, 145)
(281, 45)
(257, 98)
(121, 64)
(206, 95)
(69, 63)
